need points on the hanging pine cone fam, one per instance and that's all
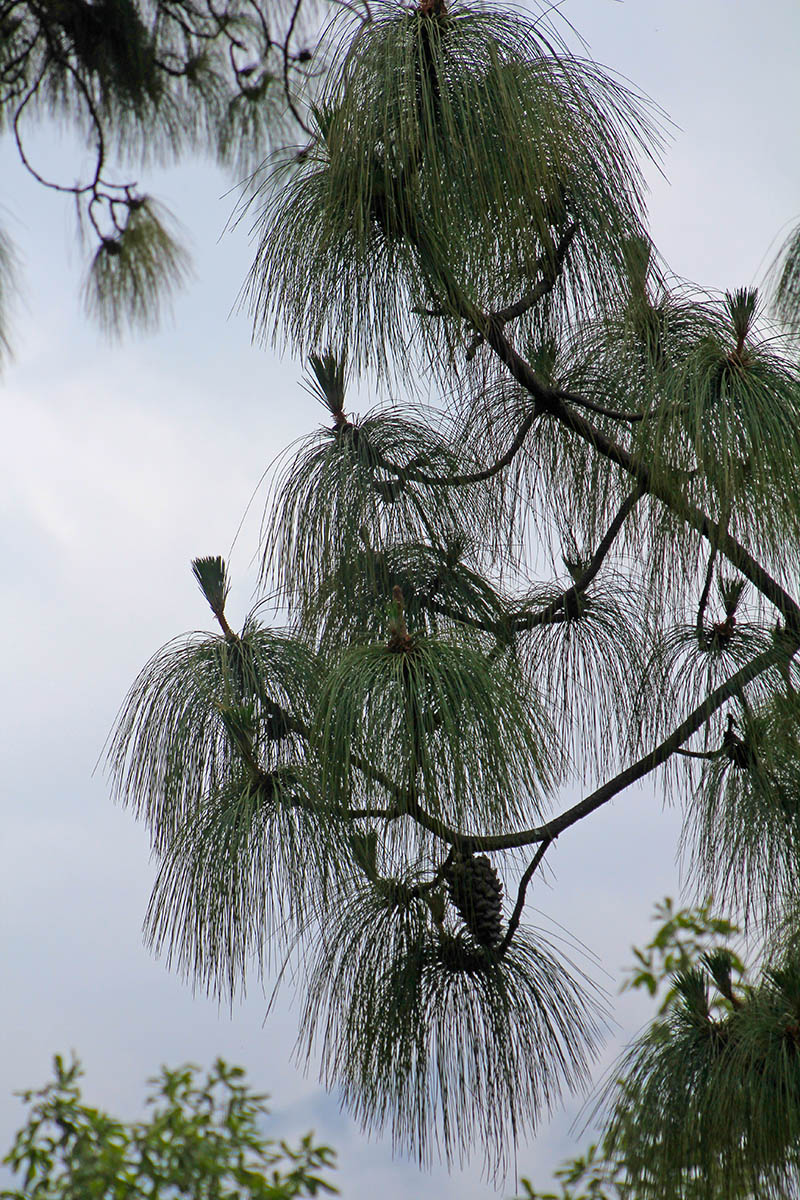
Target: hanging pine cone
(477, 893)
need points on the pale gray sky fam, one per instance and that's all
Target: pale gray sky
(120, 464)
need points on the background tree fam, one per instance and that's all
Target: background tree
(695, 1110)
(470, 207)
(144, 81)
(686, 944)
(200, 1141)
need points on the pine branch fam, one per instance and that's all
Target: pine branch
(643, 766)
(714, 533)
(556, 403)
(551, 266)
(463, 480)
(701, 607)
(444, 610)
(562, 603)
(516, 915)
(287, 59)
(470, 844)
(601, 411)
(706, 755)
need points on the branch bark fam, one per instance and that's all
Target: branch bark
(472, 843)
(557, 404)
(642, 767)
(546, 615)
(530, 871)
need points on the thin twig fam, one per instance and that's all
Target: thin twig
(286, 60)
(463, 480)
(668, 492)
(420, 889)
(613, 413)
(514, 920)
(551, 612)
(551, 266)
(701, 607)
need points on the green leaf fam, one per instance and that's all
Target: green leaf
(202, 1137)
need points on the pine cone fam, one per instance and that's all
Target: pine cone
(477, 893)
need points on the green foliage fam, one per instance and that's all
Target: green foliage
(690, 954)
(212, 577)
(690, 658)
(172, 746)
(243, 876)
(7, 282)
(745, 815)
(704, 1104)
(461, 732)
(145, 80)
(328, 381)
(714, 1089)
(739, 425)
(352, 489)
(134, 271)
(585, 664)
(574, 566)
(683, 937)
(465, 136)
(720, 390)
(413, 1019)
(589, 1176)
(442, 585)
(786, 269)
(201, 1140)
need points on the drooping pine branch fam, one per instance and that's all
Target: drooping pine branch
(557, 403)
(638, 770)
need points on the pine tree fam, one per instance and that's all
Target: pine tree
(142, 81)
(578, 565)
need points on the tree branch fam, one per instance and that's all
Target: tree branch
(467, 844)
(495, 628)
(286, 60)
(641, 768)
(701, 607)
(551, 266)
(514, 920)
(546, 615)
(557, 404)
(613, 413)
(406, 473)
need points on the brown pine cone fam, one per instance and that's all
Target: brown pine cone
(477, 893)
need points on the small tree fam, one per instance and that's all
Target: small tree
(201, 1141)
(578, 566)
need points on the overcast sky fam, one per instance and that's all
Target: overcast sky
(120, 464)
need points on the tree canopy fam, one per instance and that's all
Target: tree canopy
(200, 1140)
(566, 557)
(145, 81)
